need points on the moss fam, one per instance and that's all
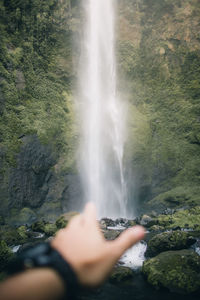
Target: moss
(25, 216)
(63, 220)
(38, 226)
(6, 255)
(22, 232)
(188, 218)
(175, 270)
(50, 229)
(9, 235)
(120, 274)
(177, 197)
(175, 240)
(33, 44)
(161, 71)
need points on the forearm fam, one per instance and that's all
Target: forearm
(36, 284)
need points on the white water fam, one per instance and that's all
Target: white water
(102, 114)
(134, 257)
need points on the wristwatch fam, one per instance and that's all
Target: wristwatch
(43, 255)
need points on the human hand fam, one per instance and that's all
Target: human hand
(83, 245)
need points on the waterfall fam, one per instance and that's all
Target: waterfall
(102, 113)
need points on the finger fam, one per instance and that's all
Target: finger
(90, 211)
(127, 239)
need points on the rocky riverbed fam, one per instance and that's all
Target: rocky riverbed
(165, 265)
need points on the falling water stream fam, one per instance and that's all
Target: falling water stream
(102, 113)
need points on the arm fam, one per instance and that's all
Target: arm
(36, 284)
(82, 244)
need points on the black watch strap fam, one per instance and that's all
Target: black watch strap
(63, 268)
(43, 255)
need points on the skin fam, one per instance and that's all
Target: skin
(82, 244)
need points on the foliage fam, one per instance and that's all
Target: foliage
(176, 270)
(163, 75)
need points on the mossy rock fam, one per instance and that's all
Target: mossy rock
(64, 219)
(179, 271)
(50, 229)
(175, 240)
(184, 218)
(38, 226)
(22, 232)
(14, 236)
(25, 216)
(156, 228)
(120, 274)
(131, 223)
(10, 235)
(6, 255)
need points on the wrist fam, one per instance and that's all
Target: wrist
(46, 257)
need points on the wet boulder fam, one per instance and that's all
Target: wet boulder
(174, 240)
(120, 274)
(178, 271)
(145, 219)
(108, 222)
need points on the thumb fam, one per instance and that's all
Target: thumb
(127, 239)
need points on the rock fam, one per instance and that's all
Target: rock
(64, 219)
(102, 224)
(6, 255)
(111, 234)
(145, 219)
(25, 216)
(38, 226)
(186, 218)
(50, 229)
(28, 184)
(179, 271)
(175, 240)
(156, 228)
(10, 235)
(108, 222)
(22, 231)
(131, 223)
(120, 274)
(122, 221)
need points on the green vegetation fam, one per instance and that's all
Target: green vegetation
(188, 218)
(159, 65)
(6, 255)
(36, 83)
(174, 240)
(176, 270)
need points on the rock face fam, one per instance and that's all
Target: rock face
(159, 62)
(29, 181)
(158, 55)
(179, 271)
(38, 129)
(174, 240)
